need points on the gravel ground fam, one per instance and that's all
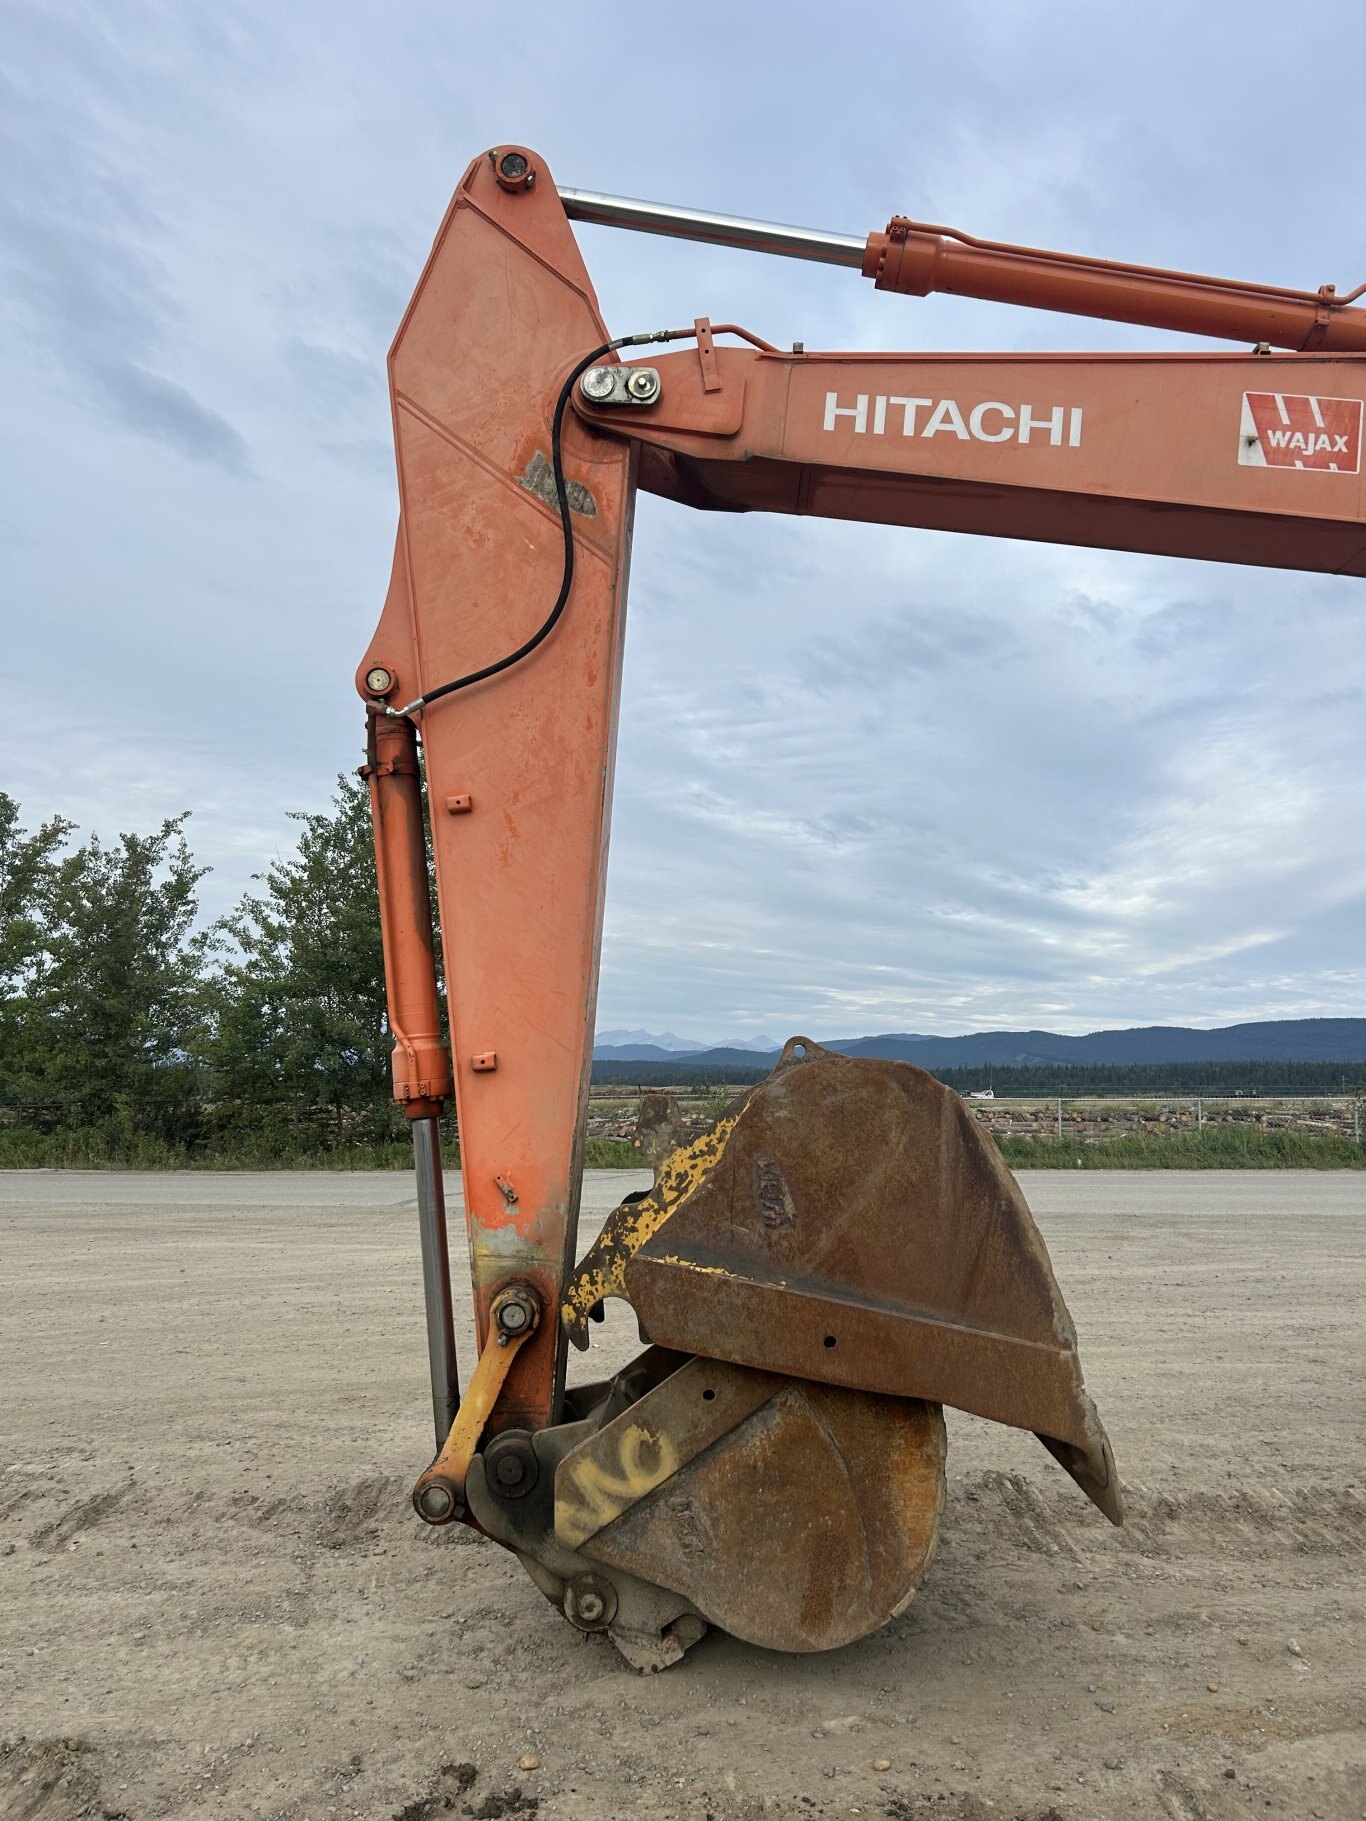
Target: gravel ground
(215, 1600)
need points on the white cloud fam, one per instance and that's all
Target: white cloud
(868, 779)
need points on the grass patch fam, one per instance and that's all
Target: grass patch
(27, 1150)
(1223, 1147)
(1220, 1147)
(611, 1154)
(23, 1149)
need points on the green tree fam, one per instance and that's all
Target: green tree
(27, 869)
(300, 1049)
(111, 973)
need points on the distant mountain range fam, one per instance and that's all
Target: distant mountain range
(1273, 1040)
(652, 1046)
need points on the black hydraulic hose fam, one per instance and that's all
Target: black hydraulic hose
(548, 624)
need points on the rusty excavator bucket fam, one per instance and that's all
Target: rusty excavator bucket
(849, 1223)
(839, 1256)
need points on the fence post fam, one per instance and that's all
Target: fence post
(1200, 1114)
(1059, 1115)
(1356, 1120)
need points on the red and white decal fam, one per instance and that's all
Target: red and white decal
(1295, 430)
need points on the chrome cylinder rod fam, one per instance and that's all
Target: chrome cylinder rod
(436, 1276)
(716, 230)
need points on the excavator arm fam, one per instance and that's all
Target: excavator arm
(1239, 458)
(843, 1253)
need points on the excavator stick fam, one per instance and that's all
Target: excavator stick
(843, 1253)
(518, 768)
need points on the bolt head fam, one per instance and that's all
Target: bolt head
(598, 384)
(512, 170)
(643, 385)
(435, 1502)
(512, 1318)
(590, 1602)
(510, 1465)
(379, 680)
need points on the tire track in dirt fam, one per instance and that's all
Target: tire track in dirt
(85, 1514)
(1306, 1520)
(53, 1780)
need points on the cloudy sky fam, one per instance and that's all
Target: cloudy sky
(869, 779)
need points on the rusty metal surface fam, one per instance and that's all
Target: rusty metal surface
(798, 1517)
(650, 1625)
(602, 1272)
(659, 1434)
(852, 1225)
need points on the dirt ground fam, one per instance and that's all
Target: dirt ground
(215, 1599)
